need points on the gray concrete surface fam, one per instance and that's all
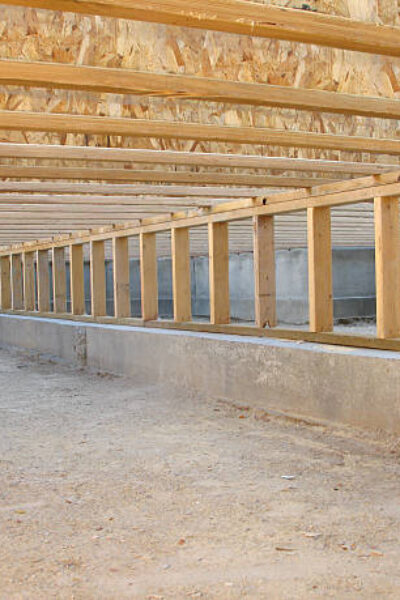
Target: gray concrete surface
(353, 285)
(346, 385)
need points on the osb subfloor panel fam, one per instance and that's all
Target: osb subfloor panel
(112, 489)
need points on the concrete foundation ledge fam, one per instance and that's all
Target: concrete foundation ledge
(347, 385)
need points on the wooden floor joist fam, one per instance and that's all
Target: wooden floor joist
(201, 159)
(128, 81)
(247, 18)
(146, 128)
(71, 173)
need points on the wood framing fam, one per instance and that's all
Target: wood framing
(98, 279)
(122, 298)
(247, 18)
(145, 128)
(59, 280)
(320, 269)
(157, 176)
(181, 282)
(148, 276)
(173, 157)
(43, 280)
(16, 282)
(5, 283)
(77, 279)
(218, 240)
(387, 266)
(264, 272)
(128, 81)
(29, 280)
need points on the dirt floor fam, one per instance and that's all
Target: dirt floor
(111, 489)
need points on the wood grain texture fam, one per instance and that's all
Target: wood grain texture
(148, 276)
(181, 282)
(97, 279)
(77, 279)
(5, 283)
(29, 280)
(264, 271)
(218, 240)
(59, 280)
(320, 269)
(387, 266)
(122, 299)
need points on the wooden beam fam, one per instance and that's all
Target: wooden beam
(264, 271)
(387, 266)
(218, 244)
(77, 279)
(128, 81)
(246, 18)
(29, 280)
(145, 191)
(59, 280)
(60, 202)
(173, 157)
(98, 279)
(145, 128)
(16, 282)
(157, 176)
(181, 285)
(122, 298)
(338, 194)
(148, 276)
(320, 269)
(43, 280)
(5, 283)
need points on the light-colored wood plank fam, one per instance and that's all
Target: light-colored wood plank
(339, 194)
(148, 276)
(16, 281)
(181, 285)
(98, 279)
(77, 279)
(174, 157)
(247, 18)
(122, 298)
(264, 271)
(320, 269)
(128, 81)
(43, 280)
(5, 282)
(29, 280)
(387, 266)
(59, 280)
(159, 175)
(218, 244)
(145, 128)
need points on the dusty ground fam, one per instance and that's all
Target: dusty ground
(110, 489)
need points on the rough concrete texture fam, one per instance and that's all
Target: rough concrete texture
(347, 385)
(112, 489)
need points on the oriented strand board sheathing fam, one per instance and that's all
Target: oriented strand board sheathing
(64, 37)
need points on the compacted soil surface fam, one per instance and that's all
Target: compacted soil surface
(112, 488)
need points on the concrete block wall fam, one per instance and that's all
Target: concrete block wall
(353, 285)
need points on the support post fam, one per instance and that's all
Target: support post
(182, 295)
(122, 298)
(59, 280)
(43, 280)
(218, 247)
(29, 281)
(320, 269)
(77, 279)
(5, 283)
(148, 276)
(98, 279)
(16, 279)
(264, 271)
(387, 268)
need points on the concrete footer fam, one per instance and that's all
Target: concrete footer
(344, 385)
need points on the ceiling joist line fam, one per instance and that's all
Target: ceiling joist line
(133, 191)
